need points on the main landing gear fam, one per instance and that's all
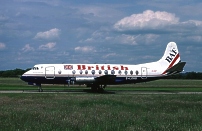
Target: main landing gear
(39, 88)
(98, 88)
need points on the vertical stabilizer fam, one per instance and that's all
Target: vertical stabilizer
(171, 56)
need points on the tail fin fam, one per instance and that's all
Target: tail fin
(170, 58)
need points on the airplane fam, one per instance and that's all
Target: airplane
(98, 76)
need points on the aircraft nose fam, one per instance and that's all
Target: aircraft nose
(23, 77)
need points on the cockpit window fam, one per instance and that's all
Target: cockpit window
(35, 68)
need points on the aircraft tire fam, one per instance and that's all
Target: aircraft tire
(40, 90)
(94, 89)
(100, 90)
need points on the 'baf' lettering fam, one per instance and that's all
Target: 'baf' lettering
(171, 55)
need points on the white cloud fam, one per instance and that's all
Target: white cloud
(97, 36)
(48, 46)
(27, 47)
(147, 38)
(110, 55)
(149, 26)
(195, 22)
(48, 35)
(98, 13)
(85, 49)
(2, 46)
(128, 39)
(147, 20)
(88, 40)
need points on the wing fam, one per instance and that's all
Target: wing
(106, 79)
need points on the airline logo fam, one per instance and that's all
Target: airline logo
(171, 55)
(68, 67)
(172, 58)
(101, 67)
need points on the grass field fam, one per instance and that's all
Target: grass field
(159, 85)
(164, 85)
(108, 112)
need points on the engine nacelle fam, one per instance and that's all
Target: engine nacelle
(84, 80)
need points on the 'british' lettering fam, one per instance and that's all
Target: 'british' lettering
(172, 55)
(101, 67)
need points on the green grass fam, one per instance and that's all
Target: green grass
(167, 85)
(108, 112)
(158, 85)
(89, 112)
(164, 85)
(17, 84)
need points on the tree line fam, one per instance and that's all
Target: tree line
(188, 75)
(13, 73)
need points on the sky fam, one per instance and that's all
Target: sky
(94, 31)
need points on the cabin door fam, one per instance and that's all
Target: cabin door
(144, 72)
(50, 72)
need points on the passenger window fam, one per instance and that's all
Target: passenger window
(136, 72)
(126, 72)
(73, 72)
(86, 72)
(112, 72)
(100, 72)
(93, 72)
(106, 72)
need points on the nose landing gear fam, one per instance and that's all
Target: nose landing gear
(39, 88)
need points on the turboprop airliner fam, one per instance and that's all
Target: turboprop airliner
(98, 76)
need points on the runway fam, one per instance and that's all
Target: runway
(105, 92)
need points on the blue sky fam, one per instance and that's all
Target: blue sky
(108, 31)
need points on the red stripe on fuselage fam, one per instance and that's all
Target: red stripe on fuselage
(172, 63)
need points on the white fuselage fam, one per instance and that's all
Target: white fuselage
(85, 73)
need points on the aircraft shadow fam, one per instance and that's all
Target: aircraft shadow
(71, 91)
(99, 92)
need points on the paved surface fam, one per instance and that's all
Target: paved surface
(106, 92)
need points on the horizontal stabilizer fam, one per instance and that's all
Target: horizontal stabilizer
(176, 68)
